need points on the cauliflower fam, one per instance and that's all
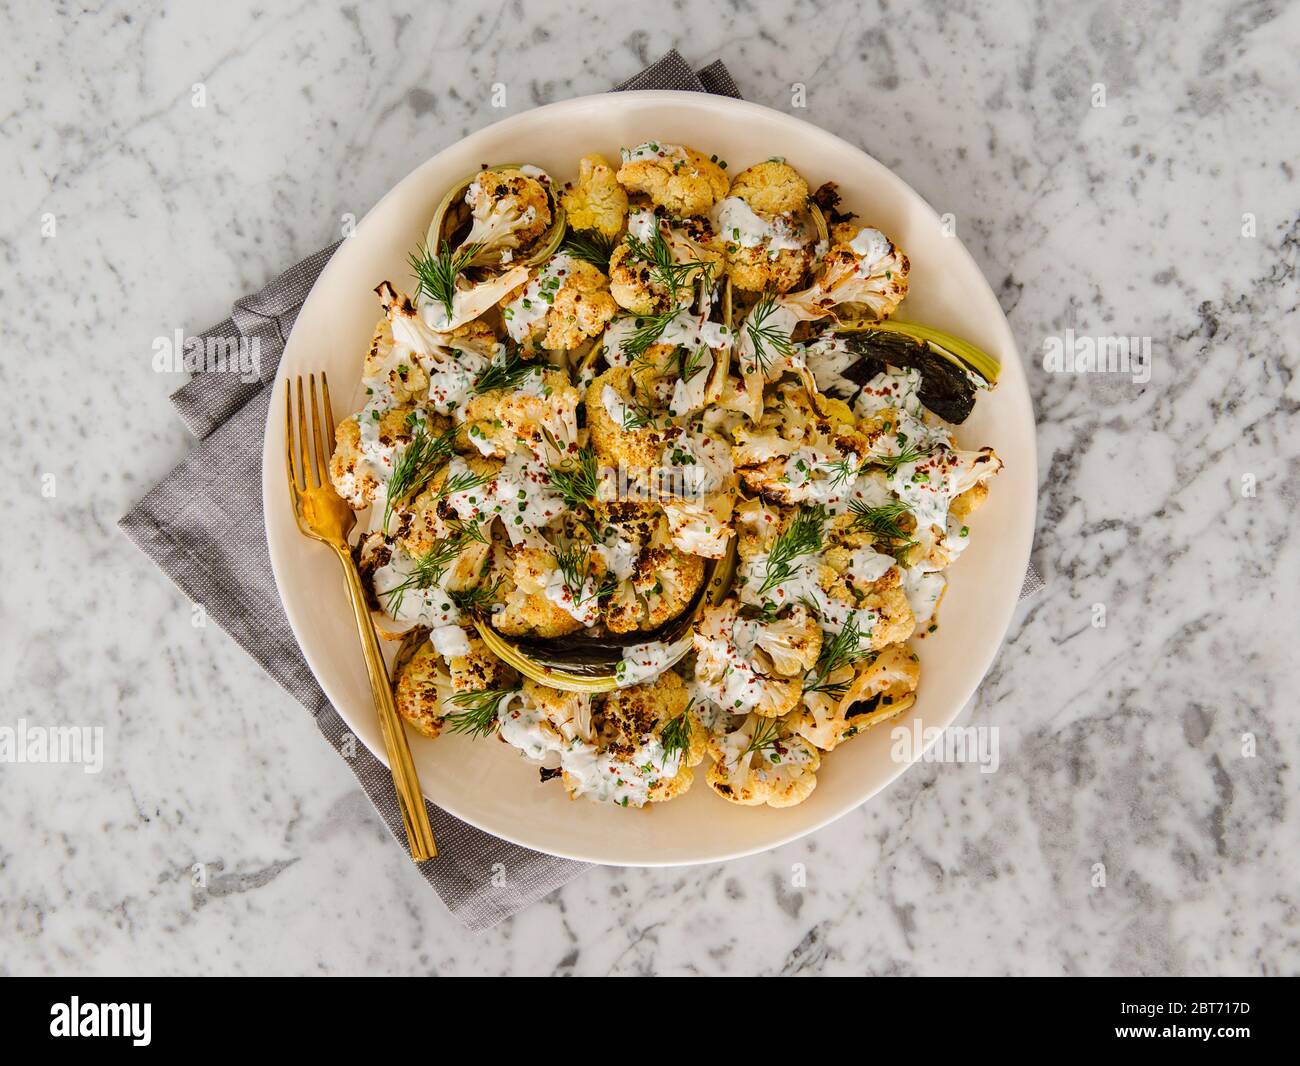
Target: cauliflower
(421, 689)
(538, 602)
(660, 586)
(368, 445)
(501, 421)
(478, 669)
(634, 286)
(883, 687)
(624, 431)
(702, 526)
(733, 671)
(391, 370)
(791, 644)
(431, 516)
(510, 210)
(566, 303)
(762, 762)
(543, 722)
(771, 188)
(863, 268)
(597, 202)
(677, 178)
(645, 741)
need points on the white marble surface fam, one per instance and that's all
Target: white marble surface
(1120, 745)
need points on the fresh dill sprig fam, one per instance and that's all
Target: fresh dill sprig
(649, 330)
(882, 522)
(437, 274)
(767, 734)
(465, 481)
(638, 415)
(426, 570)
(478, 600)
(423, 458)
(664, 268)
(843, 649)
(508, 372)
(908, 454)
(577, 480)
(690, 361)
(803, 537)
(574, 564)
(842, 470)
(589, 246)
(676, 733)
(478, 714)
(764, 336)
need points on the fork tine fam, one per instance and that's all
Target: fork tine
(329, 412)
(322, 458)
(307, 471)
(291, 467)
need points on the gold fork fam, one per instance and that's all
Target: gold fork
(323, 516)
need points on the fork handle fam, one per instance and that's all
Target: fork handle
(410, 798)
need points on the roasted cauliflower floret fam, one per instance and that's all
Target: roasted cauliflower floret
(597, 202)
(479, 669)
(644, 729)
(633, 285)
(368, 445)
(501, 421)
(758, 269)
(391, 369)
(510, 210)
(733, 671)
(771, 188)
(791, 644)
(431, 515)
(529, 610)
(623, 430)
(677, 178)
(881, 688)
(565, 303)
(762, 762)
(863, 268)
(422, 688)
(662, 584)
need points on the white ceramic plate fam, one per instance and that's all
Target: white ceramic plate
(487, 783)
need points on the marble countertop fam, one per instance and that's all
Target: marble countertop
(1161, 745)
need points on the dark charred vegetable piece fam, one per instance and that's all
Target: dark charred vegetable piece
(946, 389)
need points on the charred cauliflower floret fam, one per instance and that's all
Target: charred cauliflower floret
(624, 432)
(662, 583)
(431, 516)
(644, 733)
(479, 669)
(533, 606)
(882, 612)
(768, 247)
(422, 688)
(510, 211)
(881, 688)
(758, 269)
(762, 762)
(633, 285)
(501, 421)
(863, 269)
(565, 303)
(679, 179)
(597, 202)
(368, 445)
(393, 369)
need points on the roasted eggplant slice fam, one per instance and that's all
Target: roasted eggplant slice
(951, 369)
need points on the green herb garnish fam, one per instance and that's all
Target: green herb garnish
(479, 710)
(437, 274)
(803, 537)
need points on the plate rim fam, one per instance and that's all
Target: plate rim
(273, 477)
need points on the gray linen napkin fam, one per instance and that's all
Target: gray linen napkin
(202, 526)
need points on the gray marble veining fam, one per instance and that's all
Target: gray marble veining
(1172, 212)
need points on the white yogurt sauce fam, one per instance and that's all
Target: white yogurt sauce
(737, 223)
